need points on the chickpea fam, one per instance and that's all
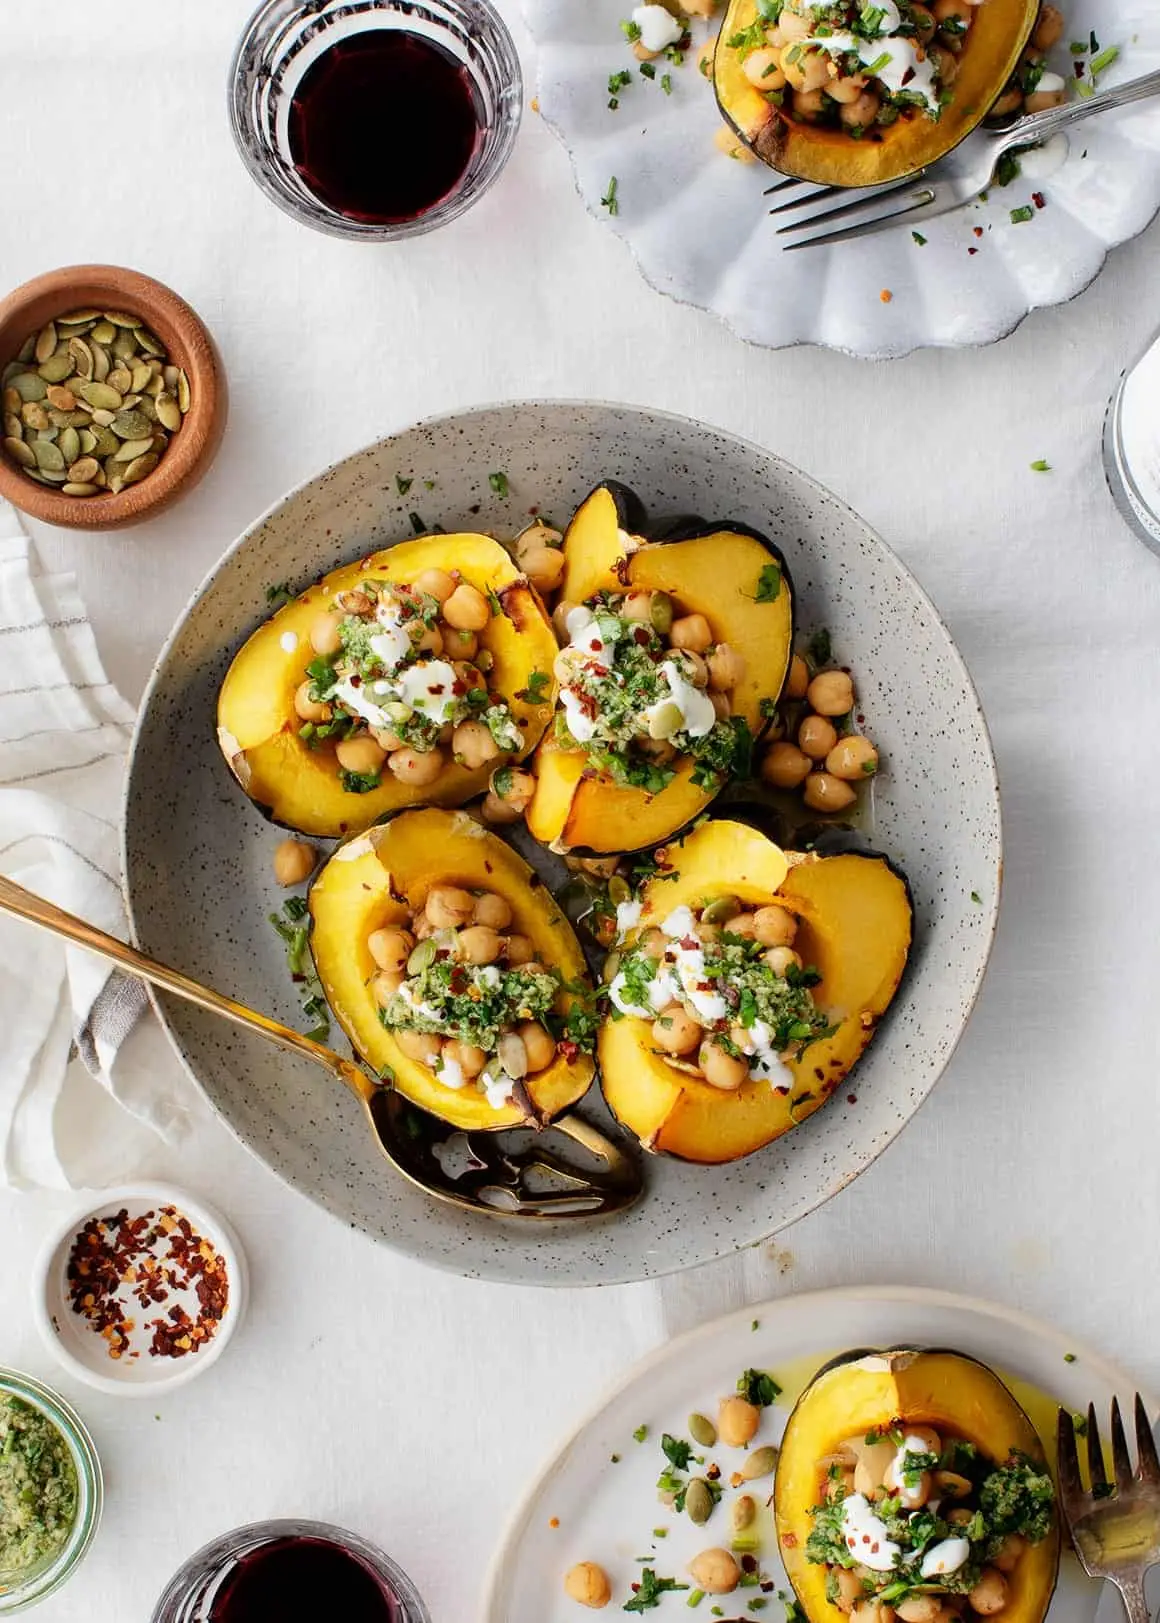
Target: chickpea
(309, 709)
(953, 11)
(700, 8)
(872, 1611)
(1040, 100)
(784, 766)
(817, 737)
(779, 960)
(424, 1046)
(449, 907)
(809, 105)
(726, 667)
(853, 758)
(656, 749)
(1049, 28)
(716, 1572)
(721, 1070)
(387, 741)
(1011, 101)
(324, 638)
(470, 1059)
(691, 631)
(737, 1421)
(588, 1584)
(294, 862)
(692, 667)
(805, 67)
(790, 25)
(861, 114)
(849, 1589)
(798, 679)
(492, 910)
(722, 709)
(544, 567)
(429, 642)
(990, 1593)
(742, 924)
(390, 948)
(763, 68)
(513, 786)
(479, 944)
(519, 951)
(422, 927)
(472, 745)
(416, 768)
(360, 754)
(919, 1609)
(950, 1485)
(459, 645)
(1008, 1555)
(599, 867)
(823, 793)
(675, 1030)
(436, 583)
(959, 1517)
(536, 535)
(466, 609)
(844, 90)
(637, 606)
(831, 693)
(912, 1494)
(924, 23)
(384, 984)
(499, 813)
(539, 1044)
(560, 619)
(774, 926)
(946, 63)
(927, 1436)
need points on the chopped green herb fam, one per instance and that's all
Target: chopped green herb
(919, 238)
(359, 783)
(756, 1325)
(617, 81)
(1008, 168)
(1021, 216)
(610, 200)
(660, 1532)
(757, 1604)
(417, 524)
(676, 1451)
(1069, 1358)
(667, 83)
(1041, 466)
(1079, 1424)
(676, 54)
(1103, 60)
(768, 584)
(649, 1591)
(757, 1387)
(403, 485)
(695, 1598)
(640, 1434)
(879, 63)
(819, 649)
(428, 484)
(1102, 1490)
(499, 483)
(976, 898)
(278, 595)
(615, 1459)
(295, 932)
(1077, 47)
(494, 603)
(647, 71)
(631, 31)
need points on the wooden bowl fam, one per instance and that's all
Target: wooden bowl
(192, 448)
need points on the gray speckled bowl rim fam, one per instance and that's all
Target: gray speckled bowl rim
(805, 1203)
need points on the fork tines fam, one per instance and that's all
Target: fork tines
(1070, 1482)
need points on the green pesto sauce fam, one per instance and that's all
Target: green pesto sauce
(38, 1487)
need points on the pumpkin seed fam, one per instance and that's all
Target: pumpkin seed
(103, 418)
(19, 452)
(148, 406)
(88, 441)
(132, 449)
(11, 398)
(69, 445)
(120, 319)
(699, 1501)
(168, 412)
(101, 363)
(131, 425)
(13, 427)
(512, 1055)
(75, 487)
(51, 434)
(70, 419)
(124, 345)
(720, 909)
(106, 443)
(183, 394)
(56, 368)
(116, 485)
(137, 470)
(61, 397)
(82, 357)
(121, 379)
(667, 718)
(27, 350)
(45, 342)
(34, 415)
(743, 1512)
(661, 613)
(48, 457)
(9, 373)
(169, 373)
(151, 345)
(702, 1430)
(155, 386)
(29, 386)
(610, 968)
(104, 332)
(421, 957)
(76, 317)
(758, 1464)
(51, 476)
(139, 377)
(619, 890)
(84, 470)
(102, 396)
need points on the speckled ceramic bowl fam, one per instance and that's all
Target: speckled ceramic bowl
(198, 855)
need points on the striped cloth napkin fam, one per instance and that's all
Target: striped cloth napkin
(71, 1113)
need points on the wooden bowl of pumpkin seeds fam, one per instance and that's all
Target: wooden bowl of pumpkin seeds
(114, 400)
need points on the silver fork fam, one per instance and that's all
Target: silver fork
(837, 213)
(1115, 1527)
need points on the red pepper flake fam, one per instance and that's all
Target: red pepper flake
(789, 1540)
(886, 296)
(972, 250)
(553, 1521)
(356, 681)
(152, 1255)
(978, 230)
(748, 1563)
(851, 1098)
(641, 637)
(1039, 200)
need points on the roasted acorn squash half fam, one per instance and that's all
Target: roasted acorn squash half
(832, 157)
(866, 1391)
(854, 926)
(258, 730)
(732, 575)
(380, 878)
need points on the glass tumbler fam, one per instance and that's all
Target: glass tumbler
(285, 38)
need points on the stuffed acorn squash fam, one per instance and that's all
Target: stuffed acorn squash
(912, 1480)
(400, 680)
(854, 95)
(676, 653)
(746, 988)
(449, 966)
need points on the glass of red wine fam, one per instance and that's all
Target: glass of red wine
(375, 119)
(292, 1571)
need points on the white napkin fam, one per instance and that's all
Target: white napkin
(71, 1112)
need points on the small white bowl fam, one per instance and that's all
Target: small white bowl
(83, 1351)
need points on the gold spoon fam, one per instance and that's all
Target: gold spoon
(483, 1172)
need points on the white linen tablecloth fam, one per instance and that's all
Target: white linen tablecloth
(414, 1406)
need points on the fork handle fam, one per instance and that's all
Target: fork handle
(1132, 1589)
(1041, 126)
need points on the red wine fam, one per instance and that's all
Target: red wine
(302, 1580)
(383, 125)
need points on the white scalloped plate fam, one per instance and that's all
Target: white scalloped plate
(698, 228)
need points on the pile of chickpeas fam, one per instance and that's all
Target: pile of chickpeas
(678, 1033)
(463, 613)
(859, 1465)
(808, 753)
(478, 923)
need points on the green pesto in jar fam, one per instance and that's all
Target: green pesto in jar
(38, 1487)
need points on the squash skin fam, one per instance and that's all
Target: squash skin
(864, 1389)
(713, 570)
(359, 890)
(831, 157)
(855, 926)
(258, 727)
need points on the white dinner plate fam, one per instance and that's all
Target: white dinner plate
(586, 1507)
(698, 227)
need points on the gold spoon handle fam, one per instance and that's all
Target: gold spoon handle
(22, 904)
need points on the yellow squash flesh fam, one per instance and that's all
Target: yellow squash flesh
(832, 157)
(258, 726)
(864, 1391)
(854, 927)
(380, 878)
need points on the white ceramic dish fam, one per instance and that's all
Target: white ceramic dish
(606, 1512)
(935, 812)
(698, 227)
(80, 1349)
